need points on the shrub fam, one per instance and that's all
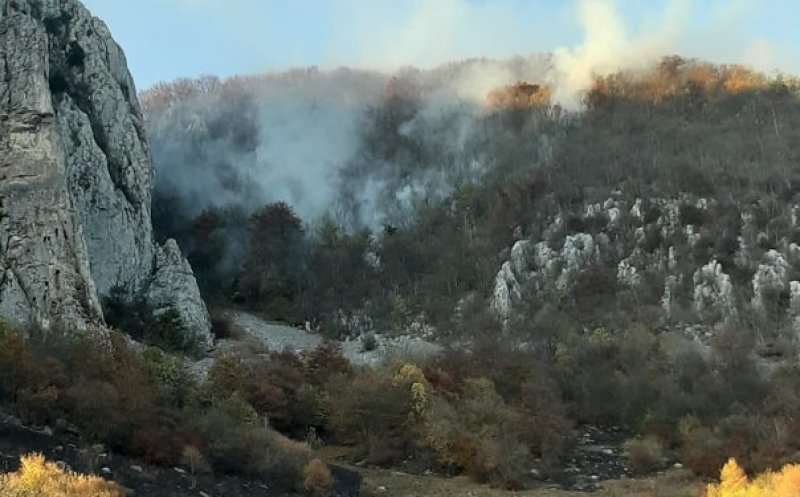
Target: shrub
(702, 450)
(39, 406)
(157, 442)
(170, 375)
(369, 411)
(192, 458)
(645, 454)
(39, 478)
(324, 362)
(237, 443)
(549, 426)
(223, 327)
(478, 434)
(369, 343)
(227, 375)
(317, 477)
(17, 365)
(137, 318)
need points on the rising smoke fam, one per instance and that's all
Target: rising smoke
(309, 137)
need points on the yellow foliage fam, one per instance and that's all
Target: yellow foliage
(411, 377)
(734, 483)
(419, 398)
(408, 374)
(39, 478)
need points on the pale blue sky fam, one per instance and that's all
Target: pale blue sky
(166, 39)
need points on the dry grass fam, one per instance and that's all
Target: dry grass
(674, 483)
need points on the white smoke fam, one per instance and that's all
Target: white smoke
(609, 46)
(303, 144)
(311, 125)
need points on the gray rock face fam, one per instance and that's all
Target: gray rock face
(173, 287)
(709, 273)
(76, 176)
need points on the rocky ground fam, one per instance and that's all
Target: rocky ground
(275, 336)
(596, 457)
(278, 337)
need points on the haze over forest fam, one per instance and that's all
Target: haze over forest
(417, 247)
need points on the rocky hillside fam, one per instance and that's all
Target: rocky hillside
(76, 177)
(691, 259)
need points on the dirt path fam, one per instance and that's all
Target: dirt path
(276, 337)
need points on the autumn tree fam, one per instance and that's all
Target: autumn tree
(734, 482)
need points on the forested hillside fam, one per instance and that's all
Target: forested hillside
(415, 219)
(632, 264)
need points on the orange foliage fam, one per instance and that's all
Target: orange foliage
(677, 76)
(520, 95)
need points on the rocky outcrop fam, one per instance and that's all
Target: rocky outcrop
(672, 254)
(713, 292)
(173, 287)
(76, 176)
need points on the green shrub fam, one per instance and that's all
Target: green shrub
(164, 329)
(237, 442)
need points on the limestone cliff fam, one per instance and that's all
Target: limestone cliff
(680, 253)
(76, 176)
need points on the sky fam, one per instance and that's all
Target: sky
(168, 39)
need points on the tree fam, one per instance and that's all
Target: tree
(271, 275)
(734, 483)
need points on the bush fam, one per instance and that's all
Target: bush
(645, 454)
(170, 375)
(479, 434)
(324, 362)
(223, 327)
(318, 479)
(112, 395)
(237, 443)
(702, 450)
(192, 458)
(227, 375)
(17, 366)
(164, 330)
(371, 412)
(39, 478)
